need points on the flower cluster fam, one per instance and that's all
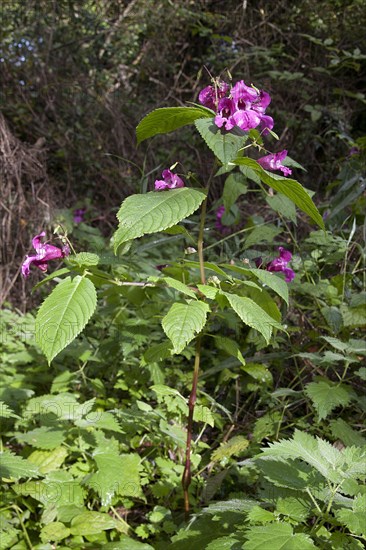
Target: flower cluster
(280, 264)
(244, 106)
(169, 181)
(44, 253)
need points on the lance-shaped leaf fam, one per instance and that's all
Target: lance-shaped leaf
(183, 321)
(252, 314)
(155, 211)
(289, 187)
(163, 121)
(64, 314)
(225, 145)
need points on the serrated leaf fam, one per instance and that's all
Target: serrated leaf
(208, 291)
(276, 536)
(225, 145)
(203, 414)
(231, 505)
(44, 437)
(117, 474)
(12, 466)
(64, 314)
(155, 211)
(343, 431)
(258, 515)
(92, 523)
(327, 396)
(178, 285)
(234, 446)
(84, 259)
(334, 465)
(6, 412)
(252, 315)
(266, 277)
(168, 119)
(183, 322)
(355, 519)
(288, 187)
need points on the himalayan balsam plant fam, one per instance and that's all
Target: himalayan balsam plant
(232, 121)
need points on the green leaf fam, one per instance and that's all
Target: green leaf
(230, 347)
(159, 352)
(288, 187)
(92, 523)
(234, 187)
(117, 474)
(234, 446)
(341, 430)
(183, 321)
(64, 314)
(47, 461)
(327, 396)
(178, 285)
(225, 145)
(355, 519)
(12, 466)
(277, 536)
(252, 315)
(6, 412)
(258, 515)
(203, 414)
(155, 211)
(54, 531)
(126, 543)
(284, 206)
(44, 437)
(334, 465)
(168, 119)
(266, 277)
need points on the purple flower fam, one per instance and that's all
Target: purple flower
(218, 224)
(210, 96)
(353, 151)
(274, 162)
(79, 215)
(224, 118)
(169, 181)
(243, 95)
(44, 253)
(246, 120)
(280, 264)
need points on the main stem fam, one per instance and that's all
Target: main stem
(187, 476)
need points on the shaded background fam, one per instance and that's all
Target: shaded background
(77, 76)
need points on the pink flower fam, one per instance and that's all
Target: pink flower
(210, 96)
(224, 229)
(44, 253)
(280, 264)
(274, 162)
(79, 215)
(169, 181)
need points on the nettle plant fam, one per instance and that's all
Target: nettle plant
(232, 121)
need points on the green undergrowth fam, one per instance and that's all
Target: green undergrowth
(92, 448)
